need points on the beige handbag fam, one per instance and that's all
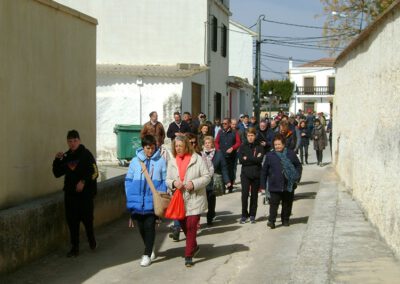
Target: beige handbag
(160, 199)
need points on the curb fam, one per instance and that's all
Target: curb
(314, 257)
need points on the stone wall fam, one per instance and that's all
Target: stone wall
(34, 229)
(47, 87)
(366, 135)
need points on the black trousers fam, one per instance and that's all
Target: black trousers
(319, 156)
(304, 153)
(231, 165)
(79, 208)
(252, 184)
(212, 200)
(147, 228)
(287, 203)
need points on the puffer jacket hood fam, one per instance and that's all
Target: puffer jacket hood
(141, 155)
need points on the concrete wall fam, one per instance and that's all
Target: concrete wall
(365, 123)
(47, 86)
(36, 228)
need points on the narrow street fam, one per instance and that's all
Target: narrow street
(230, 252)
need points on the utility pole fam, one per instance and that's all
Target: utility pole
(258, 69)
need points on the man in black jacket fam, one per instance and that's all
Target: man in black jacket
(178, 127)
(80, 186)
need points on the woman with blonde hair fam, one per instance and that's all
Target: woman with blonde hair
(188, 173)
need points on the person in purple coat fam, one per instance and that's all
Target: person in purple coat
(282, 170)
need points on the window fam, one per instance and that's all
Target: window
(308, 85)
(224, 39)
(217, 105)
(331, 85)
(214, 33)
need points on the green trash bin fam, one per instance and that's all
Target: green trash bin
(128, 140)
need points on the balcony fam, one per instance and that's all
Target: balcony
(316, 91)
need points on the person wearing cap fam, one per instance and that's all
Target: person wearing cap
(80, 186)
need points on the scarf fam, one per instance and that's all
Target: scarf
(289, 171)
(182, 163)
(208, 156)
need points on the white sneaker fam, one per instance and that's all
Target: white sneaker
(153, 256)
(146, 261)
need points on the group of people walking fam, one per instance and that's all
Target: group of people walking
(201, 165)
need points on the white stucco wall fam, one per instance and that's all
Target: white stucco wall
(47, 87)
(366, 129)
(321, 75)
(118, 102)
(219, 65)
(240, 52)
(148, 32)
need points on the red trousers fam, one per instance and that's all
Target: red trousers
(189, 227)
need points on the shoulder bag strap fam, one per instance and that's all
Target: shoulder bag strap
(146, 175)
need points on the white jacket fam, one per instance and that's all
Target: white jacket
(197, 172)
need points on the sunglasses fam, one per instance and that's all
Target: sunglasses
(192, 142)
(225, 123)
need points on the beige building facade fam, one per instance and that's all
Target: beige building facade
(47, 87)
(366, 118)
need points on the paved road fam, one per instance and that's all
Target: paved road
(230, 252)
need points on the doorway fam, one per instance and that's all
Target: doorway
(196, 99)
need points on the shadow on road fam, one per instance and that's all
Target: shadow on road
(217, 230)
(304, 195)
(307, 182)
(207, 252)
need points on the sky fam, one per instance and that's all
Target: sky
(274, 59)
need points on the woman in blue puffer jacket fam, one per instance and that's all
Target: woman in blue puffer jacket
(139, 198)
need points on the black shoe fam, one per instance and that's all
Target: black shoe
(74, 252)
(188, 262)
(175, 235)
(271, 225)
(209, 223)
(285, 223)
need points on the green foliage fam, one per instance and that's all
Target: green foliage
(348, 19)
(281, 88)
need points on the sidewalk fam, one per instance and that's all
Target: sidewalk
(340, 245)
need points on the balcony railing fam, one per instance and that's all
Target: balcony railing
(316, 91)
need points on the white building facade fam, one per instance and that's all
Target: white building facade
(240, 86)
(162, 56)
(314, 86)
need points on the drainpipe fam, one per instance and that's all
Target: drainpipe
(208, 51)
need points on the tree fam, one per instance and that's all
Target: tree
(345, 19)
(281, 88)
